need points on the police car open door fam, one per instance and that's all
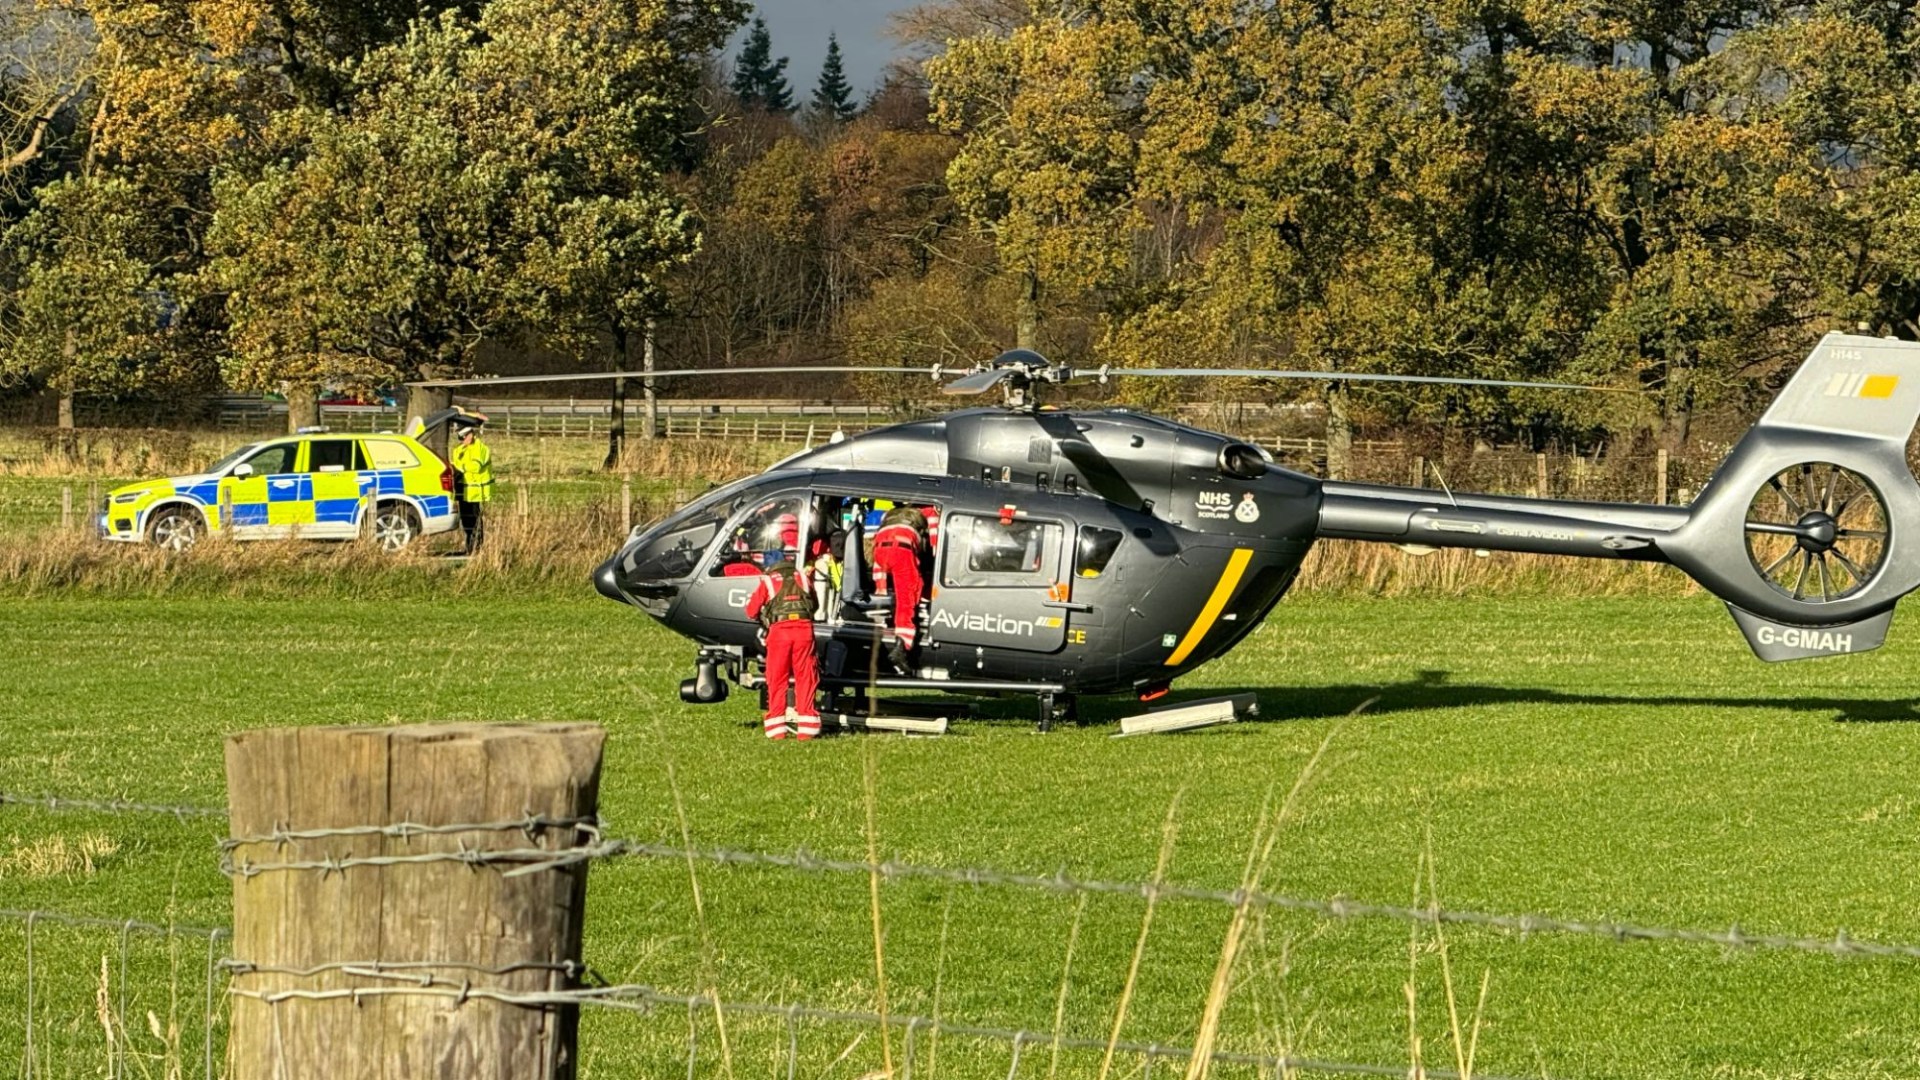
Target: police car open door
(999, 581)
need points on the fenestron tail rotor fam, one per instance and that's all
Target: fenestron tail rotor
(1817, 532)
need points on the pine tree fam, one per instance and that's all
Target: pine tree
(759, 79)
(833, 96)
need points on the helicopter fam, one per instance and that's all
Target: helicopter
(1110, 551)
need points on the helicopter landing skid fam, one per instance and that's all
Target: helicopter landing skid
(1052, 700)
(718, 664)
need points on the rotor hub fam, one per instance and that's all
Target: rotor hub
(1817, 531)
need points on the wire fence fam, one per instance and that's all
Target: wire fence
(74, 1015)
(75, 1012)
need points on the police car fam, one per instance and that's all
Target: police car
(313, 485)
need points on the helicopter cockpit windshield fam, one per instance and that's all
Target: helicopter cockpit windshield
(672, 552)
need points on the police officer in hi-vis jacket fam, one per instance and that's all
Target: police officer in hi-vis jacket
(473, 468)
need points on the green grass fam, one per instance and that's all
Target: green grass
(1619, 758)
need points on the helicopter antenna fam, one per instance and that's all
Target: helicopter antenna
(1435, 466)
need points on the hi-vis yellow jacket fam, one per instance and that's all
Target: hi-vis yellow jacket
(475, 463)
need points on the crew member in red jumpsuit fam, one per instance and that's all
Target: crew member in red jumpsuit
(896, 552)
(784, 605)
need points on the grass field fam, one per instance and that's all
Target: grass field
(1579, 758)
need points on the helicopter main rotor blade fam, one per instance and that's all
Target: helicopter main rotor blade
(678, 373)
(1336, 376)
(977, 383)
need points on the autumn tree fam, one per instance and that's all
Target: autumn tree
(89, 312)
(53, 58)
(492, 176)
(1049, 114)
(1563, 188)
(1843, 77)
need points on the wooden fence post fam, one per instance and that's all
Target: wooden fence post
(66, 507)
(1660, 477)
(1540, 476)
(626, 504)
(305, 907)
(1419, 470)
(520, 501)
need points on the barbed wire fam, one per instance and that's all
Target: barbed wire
(109, 806)
(529, 823)
(524, 861)
(534, 860)
(640, 998)
(401, 969)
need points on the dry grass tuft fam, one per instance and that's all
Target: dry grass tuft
(57, 856)
(555, 549)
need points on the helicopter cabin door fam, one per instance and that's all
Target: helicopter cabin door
(996, 579)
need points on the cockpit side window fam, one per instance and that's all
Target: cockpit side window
(769, 525)
(672, 555)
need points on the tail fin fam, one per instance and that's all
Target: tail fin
(1813, 521)
(1858, 386)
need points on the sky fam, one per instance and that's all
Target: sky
(799, 29)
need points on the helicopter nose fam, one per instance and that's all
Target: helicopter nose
(606, 581)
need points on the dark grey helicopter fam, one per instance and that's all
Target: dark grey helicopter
(1108, 551)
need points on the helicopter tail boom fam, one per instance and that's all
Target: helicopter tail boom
(1806, 530)
(1427, 518)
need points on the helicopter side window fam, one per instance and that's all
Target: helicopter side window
(1095, 550)
(771, 525)
(986, 552)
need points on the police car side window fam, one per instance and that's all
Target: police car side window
(382, 454)
(277, 458)
(333, 455)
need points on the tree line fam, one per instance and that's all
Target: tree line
(1677, 197)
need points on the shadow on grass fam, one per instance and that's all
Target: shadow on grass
(1427, 691)
(1433, 690)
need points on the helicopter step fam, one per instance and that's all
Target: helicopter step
(1189, 715)
(1052, 701)
(894, 716)
(856, 703)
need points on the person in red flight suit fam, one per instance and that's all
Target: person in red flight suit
(896, 552)
(787, 530)
(783, 603)
(737, 564)
(932, 514)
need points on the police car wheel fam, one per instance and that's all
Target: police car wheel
(394, 527)
(174, 528)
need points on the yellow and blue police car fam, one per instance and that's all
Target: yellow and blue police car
(313, 485)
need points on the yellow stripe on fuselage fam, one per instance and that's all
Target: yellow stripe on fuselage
(1222, 591)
